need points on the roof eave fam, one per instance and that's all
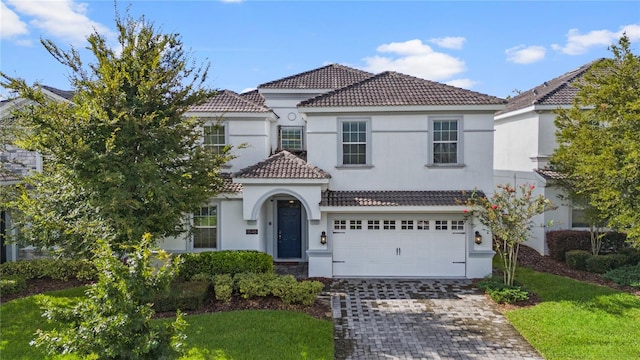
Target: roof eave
(441, 209)
(530, 108)
(400, 108)
(281, 181)
(270, 115)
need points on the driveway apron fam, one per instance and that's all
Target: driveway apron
(420, 319)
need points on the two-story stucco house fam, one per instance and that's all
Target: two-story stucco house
(357, 174)
(524, 142)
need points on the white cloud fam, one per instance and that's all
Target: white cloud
(64, 19)
(578, 43)
(462, 83)
(449, 42)
(415, 58)
(10, 23)
(525, 54)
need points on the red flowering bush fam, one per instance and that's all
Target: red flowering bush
(507, 214)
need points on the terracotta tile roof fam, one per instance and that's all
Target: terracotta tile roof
(229, 101)
(254, 96)
(557, 91)
(395, 198)
(283, 165)
(67, 94)
(228, 186)
(549, 174)
(394, 89)
(333, 76)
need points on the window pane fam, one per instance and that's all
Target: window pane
(213, 138)
(291, 138)
(205, 222)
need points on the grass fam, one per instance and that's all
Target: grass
(234, 335)
(577, 320)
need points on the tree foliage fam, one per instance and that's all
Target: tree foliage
(508, 215)
(599, 140)
(115, 320)
(120, 158)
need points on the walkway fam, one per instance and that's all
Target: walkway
(421, 319)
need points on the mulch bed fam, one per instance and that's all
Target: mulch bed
(321, 309)
(527, 257)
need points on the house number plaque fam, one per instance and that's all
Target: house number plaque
(252, 231)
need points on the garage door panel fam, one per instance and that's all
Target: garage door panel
(400, 251)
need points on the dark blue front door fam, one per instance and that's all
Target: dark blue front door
(289, 229)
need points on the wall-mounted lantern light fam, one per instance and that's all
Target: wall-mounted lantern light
(478, 238)
(323, 238)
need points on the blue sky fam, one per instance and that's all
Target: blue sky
(490, 47)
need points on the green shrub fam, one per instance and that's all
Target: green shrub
(188, 295)
(223, 287)
(628, 275)
(290, 291)
(226, 262)
(577, 259)
(115, 319)
(502, 293)
(202, 277)
(561, 241)
(252, 285)
(602, 263)
(56, 269)
(12, 284)
(632, 253)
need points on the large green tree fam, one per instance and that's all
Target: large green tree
(599, 140)
(121, 159)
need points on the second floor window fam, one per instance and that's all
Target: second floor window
(354, 142)
(445, 142)
(291, 138)
(214, 139)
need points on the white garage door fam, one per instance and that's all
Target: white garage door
(408, 245)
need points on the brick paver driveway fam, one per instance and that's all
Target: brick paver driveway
(421, 319)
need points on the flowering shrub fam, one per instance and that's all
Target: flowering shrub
(507, 214)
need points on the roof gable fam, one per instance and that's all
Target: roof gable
(283, 165)
(333, 76)
(229, 101)
(558, 91)
(65, 94)
(390, 88)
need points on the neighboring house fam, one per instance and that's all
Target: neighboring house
(524, 142)
(355, 173)
(16, 163)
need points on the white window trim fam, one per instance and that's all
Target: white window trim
(191, 246)
(302, 140)
(225, 129)
(368, 147)
(460, 148)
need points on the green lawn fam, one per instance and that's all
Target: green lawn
(576, 320)
(232, 335)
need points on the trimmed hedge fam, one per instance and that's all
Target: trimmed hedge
(225, 262)
(188, 295)
(577, 259)
(561, 241)
(12, 284)
(602, 263)
(56, 269)
(252, 285)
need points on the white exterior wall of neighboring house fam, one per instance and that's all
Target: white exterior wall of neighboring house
(524, 141)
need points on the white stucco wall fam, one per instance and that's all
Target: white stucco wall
(516, 142)
(400, 152)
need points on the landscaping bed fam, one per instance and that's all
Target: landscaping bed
(527, 257)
